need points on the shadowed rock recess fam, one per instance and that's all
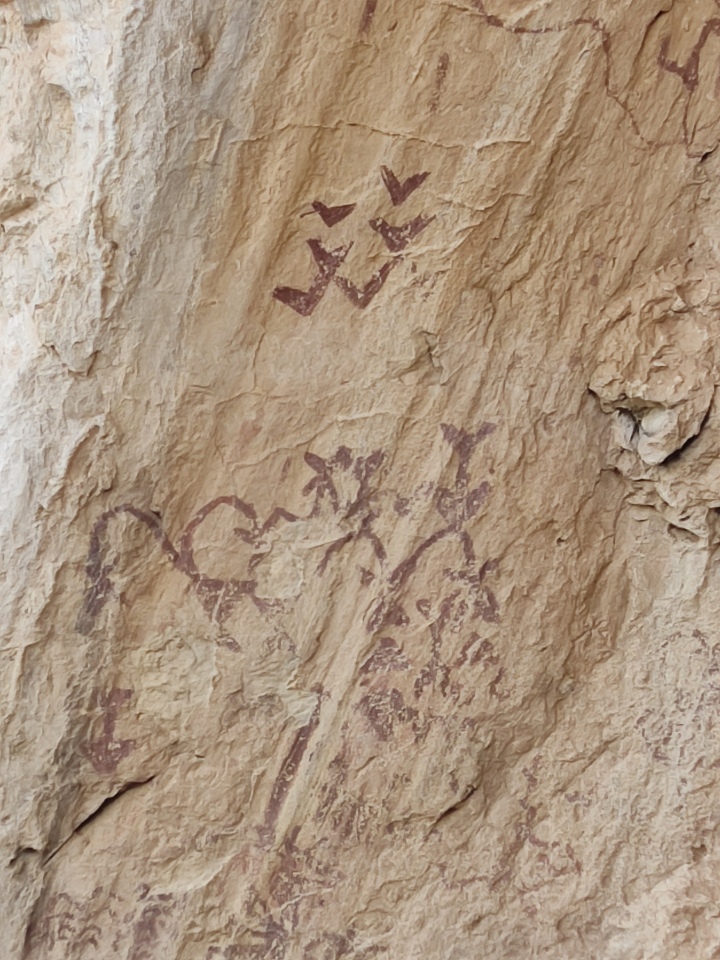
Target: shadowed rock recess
(360, 471)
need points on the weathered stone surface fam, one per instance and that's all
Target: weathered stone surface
(360, 477)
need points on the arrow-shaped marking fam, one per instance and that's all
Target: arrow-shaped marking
(399, 192)
(361, 296)
(397, 238)
(330, 215)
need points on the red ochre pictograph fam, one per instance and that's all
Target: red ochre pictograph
(396, 238)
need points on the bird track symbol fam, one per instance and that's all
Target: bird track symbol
(396, 239)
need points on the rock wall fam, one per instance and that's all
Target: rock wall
(359, 458)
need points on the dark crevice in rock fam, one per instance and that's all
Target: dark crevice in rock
(456, 806)
(126, 788)
(676, 454)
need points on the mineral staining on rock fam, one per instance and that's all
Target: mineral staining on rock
(359, 456)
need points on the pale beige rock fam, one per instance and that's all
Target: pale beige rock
(359, 452)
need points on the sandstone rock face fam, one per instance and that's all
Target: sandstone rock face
(360, 466)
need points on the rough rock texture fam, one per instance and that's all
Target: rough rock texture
(360, 476)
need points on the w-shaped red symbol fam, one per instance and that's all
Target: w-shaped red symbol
(329, 262)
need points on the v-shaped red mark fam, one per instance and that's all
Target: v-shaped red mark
(397, 238)
(328, 260)
(330, 215)
(361, 296)
(305, 301)
(399, 192)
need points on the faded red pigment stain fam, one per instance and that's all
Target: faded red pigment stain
(289, 768)
(356, 488)
(387, 657)
(273, 915)
(400, 696)
(61, 919)
(397, 238)
(368, 15)
(362, 296)
(674, 738)
(400, 190)
(495, 684)
(298, 871)
(97, 571)
(83, 927)
(247, 433)
(362, 507)
(384, 709)
(441, 72)
(688, 72)
(106, 751)
(218, 596)
(385, 706)
(396, 689)
(456, 507)
(494, 21)
(551, 859)
(151, 925)
(350, 488)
